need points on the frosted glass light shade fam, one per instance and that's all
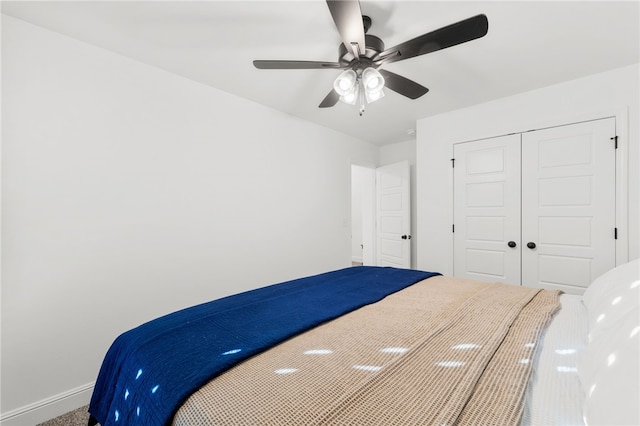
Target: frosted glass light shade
(372, 79)
(345, 82)
(351, 96)
(373, 96)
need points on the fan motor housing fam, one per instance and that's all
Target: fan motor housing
(373, 46)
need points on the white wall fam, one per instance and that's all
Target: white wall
(611, 93)
(129, 192)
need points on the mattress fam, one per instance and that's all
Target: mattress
(554, 395)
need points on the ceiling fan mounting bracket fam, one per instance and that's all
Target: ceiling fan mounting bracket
(366, 23)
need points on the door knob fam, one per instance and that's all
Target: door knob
(531, 245)
(511, 244)
(406, 237)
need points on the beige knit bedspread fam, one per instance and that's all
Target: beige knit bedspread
(444, 351)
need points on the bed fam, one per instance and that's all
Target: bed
(373, 345)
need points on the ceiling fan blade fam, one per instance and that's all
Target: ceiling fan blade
(330, 100)
(347, 16)
(295, 65)
(402, 85)
(451, 35)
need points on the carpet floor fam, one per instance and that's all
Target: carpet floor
(77, 417)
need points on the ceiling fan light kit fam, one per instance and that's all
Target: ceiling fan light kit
(360, 85)
(361, 54)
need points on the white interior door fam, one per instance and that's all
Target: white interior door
(393, 213)
(568, 205)
(487, 210)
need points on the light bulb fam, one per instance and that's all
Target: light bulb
(345, 82)
(351, 96)
(373, 95)
(372, 79)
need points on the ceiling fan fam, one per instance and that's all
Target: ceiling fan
(361, 55)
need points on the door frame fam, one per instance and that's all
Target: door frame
(368, 214)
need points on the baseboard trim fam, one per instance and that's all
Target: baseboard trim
(48, 408)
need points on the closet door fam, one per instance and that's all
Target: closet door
(568, 205)
(487, 210)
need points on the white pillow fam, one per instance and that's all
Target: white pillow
(610, 374)
(611, 296)
(595, 358)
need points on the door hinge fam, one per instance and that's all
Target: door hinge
(615, 233)
(615, 140)
(453, 228)
(453, 163)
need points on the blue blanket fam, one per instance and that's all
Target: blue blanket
(152, 369)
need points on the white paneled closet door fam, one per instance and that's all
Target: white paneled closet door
(487, 209)
(568, 205)
(537, 208)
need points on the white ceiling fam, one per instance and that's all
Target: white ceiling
(529, 45)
